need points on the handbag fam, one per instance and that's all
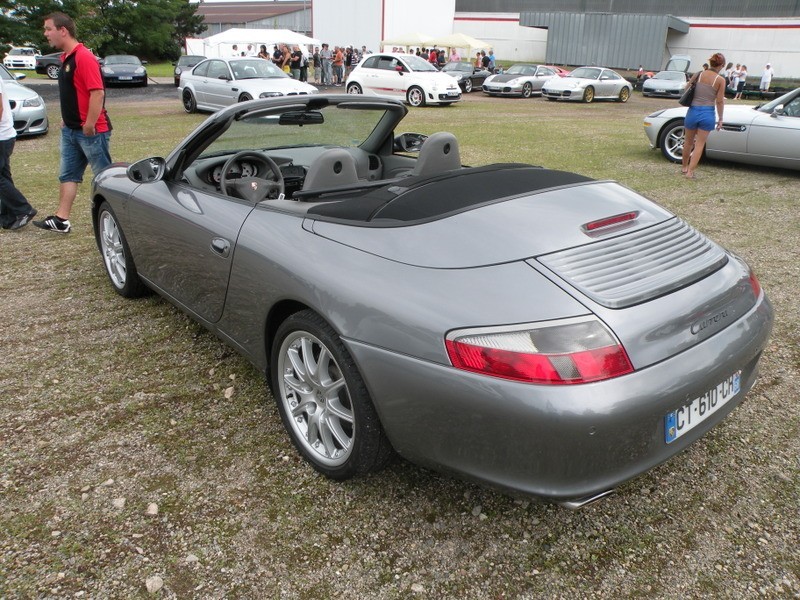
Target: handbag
(688, 95)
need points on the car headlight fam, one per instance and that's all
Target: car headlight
(139, 70)
(108, 70)
(177, 70)
(270, 94)
(458, 76)
(513, 82)
(32, 102)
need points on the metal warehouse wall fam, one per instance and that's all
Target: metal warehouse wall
(685, 8)
(622, 41)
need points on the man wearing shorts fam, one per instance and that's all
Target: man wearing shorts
(86, 128)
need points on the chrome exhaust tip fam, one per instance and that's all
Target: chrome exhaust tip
(577, 503)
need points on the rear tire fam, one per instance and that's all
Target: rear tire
(323, 401)
(189, 103)
(53, 71)
(624, 95)
(467, 85)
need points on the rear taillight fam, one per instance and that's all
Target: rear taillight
(755, 284)
(554, 353)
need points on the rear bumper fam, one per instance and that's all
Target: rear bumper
(557, 442)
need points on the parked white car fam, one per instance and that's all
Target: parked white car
(218, 82)
(404, 76)
(21, 58)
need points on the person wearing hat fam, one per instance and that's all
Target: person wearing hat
(766, 78)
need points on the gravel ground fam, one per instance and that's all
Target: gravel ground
(141, 457)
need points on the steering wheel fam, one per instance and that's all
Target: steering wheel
(254, 189)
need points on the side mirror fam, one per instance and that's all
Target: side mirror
(144, 62)
(19, 76)
(408, 142)
(399, 69)
(148, 170)
(777, 111)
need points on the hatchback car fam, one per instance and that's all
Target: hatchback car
(21, 58)
(587, 84)
(185, 63)
(403, 76)
(123, 69)
(27, 107)
(218, 82)
(520, 80)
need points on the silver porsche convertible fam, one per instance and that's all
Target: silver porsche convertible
(531, 329)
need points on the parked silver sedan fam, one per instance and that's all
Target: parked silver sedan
(532, 329)
(28, 108)
(587, 84)
(767, 135)
(219, 82)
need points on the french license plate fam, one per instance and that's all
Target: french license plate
(660, 91)
(452, 93)
(690, 415)
(125, 78)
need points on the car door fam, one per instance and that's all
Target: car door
(606, 86)
(219, 85)
(542, 75)
(368, 74)
(776, 137)
(196, 79)
(389, 80)
(183, 241)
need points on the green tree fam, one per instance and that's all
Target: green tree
(151, 29)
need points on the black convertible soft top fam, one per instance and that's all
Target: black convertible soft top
(413, 199)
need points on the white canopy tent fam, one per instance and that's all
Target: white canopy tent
(407, 39)
(459, 40)
(222, 43)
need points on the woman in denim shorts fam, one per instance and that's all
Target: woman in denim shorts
(701, 118)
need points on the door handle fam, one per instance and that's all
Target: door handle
(221, 246)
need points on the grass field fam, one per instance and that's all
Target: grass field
(136, 448)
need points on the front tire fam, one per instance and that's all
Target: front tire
(53, 71)
(354, 88)
(671, 140)
(624, 95)
(527, 90)
(116, 254)
(415, 96)
(323, 401)
(467, 86)
(245, 97)
(588, 94)
(189, 103)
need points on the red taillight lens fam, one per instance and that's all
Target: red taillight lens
(755, 284)
(577, 351)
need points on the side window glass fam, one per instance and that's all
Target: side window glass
(201, 70)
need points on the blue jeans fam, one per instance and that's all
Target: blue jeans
(79, 150)
(12, 202)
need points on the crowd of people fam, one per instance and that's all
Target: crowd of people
(736, 77)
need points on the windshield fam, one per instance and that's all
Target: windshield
(122, 60)
(22, 52)
(458, 66)
(670, 76)
(255, 68)
(792, 98)
(416, 63)
(586, 73)
(521, 70)
(342, 125)
(4, 74)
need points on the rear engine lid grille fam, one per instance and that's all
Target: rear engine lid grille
(633, 268)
